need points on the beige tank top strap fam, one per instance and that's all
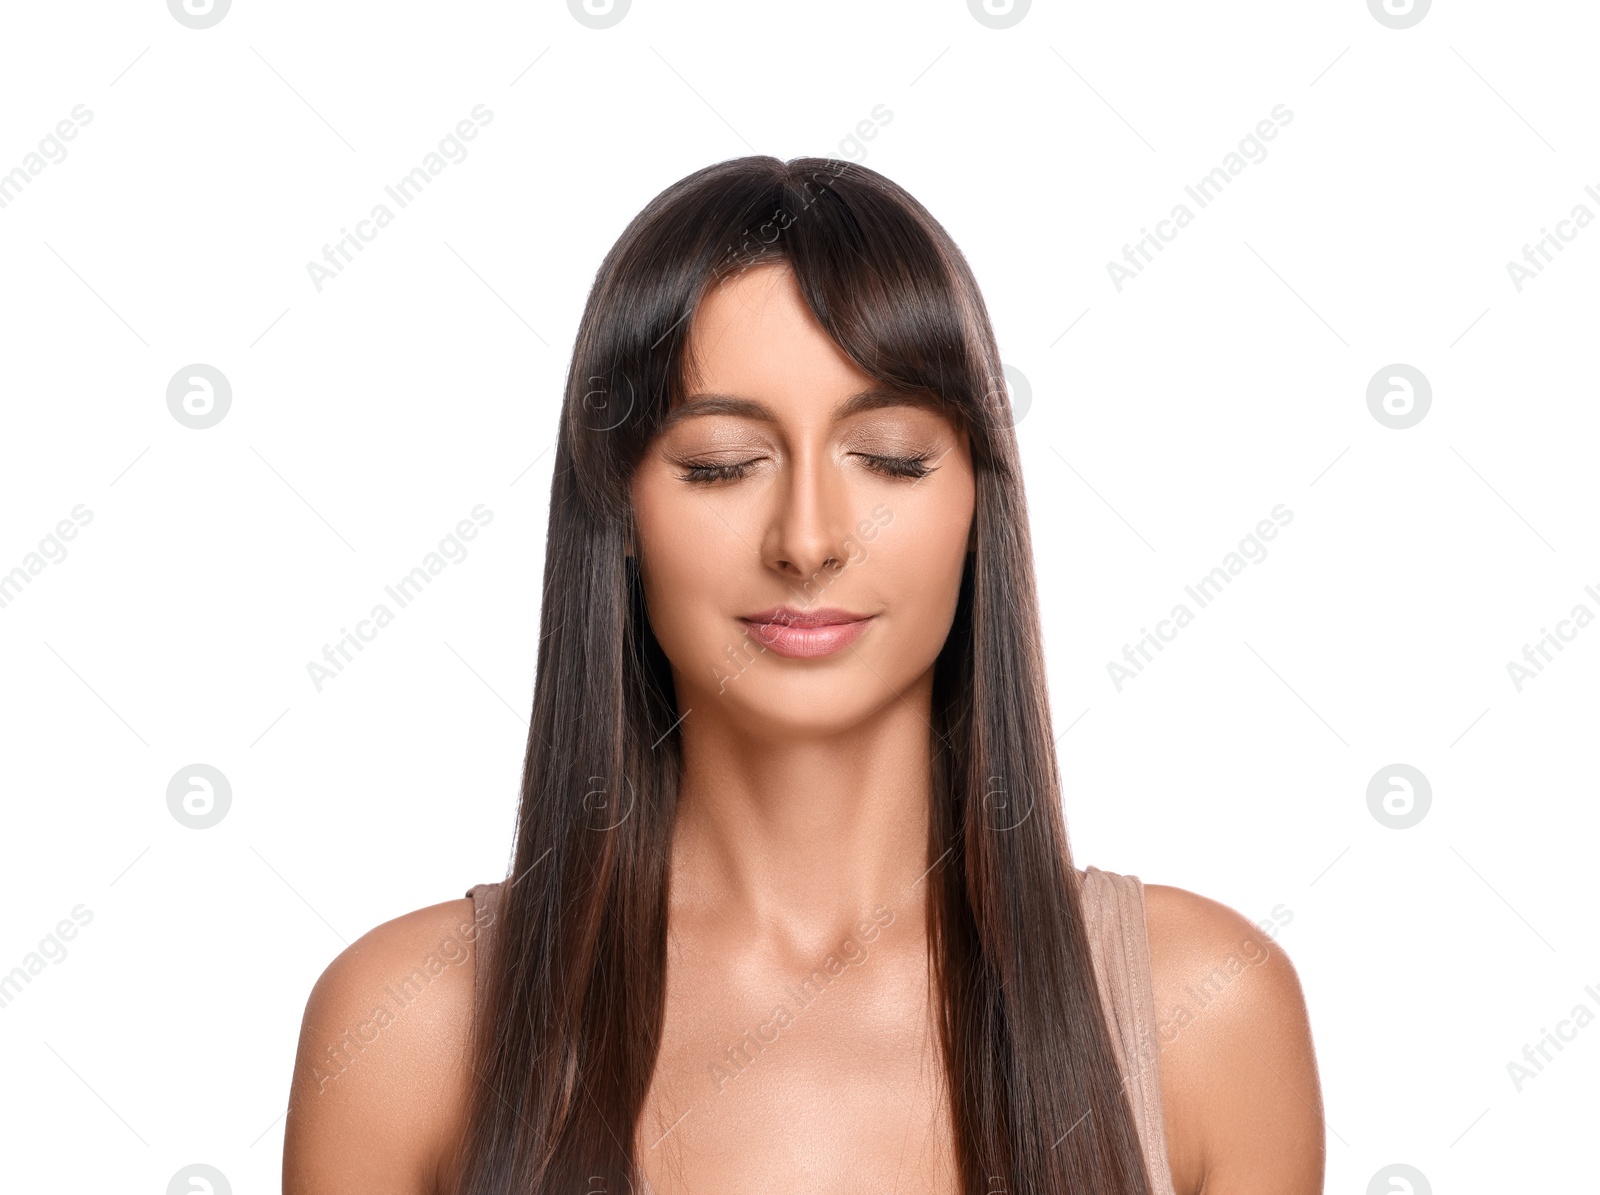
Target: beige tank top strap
(1113, 907)
(486, 913)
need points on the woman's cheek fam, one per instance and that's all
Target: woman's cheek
(920, 557)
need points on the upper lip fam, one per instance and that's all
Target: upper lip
(820, 617)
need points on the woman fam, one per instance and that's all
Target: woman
(792, 906)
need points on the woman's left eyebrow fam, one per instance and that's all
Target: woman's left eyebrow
(749, 408)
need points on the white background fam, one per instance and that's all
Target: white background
(1166, 420)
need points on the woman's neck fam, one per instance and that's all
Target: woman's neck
(796, 839)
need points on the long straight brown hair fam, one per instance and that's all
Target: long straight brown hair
(571, 1015)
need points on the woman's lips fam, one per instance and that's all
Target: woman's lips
(806, 642)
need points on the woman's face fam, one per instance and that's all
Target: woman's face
(786, 489)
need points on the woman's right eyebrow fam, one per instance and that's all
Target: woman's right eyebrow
(749, 408)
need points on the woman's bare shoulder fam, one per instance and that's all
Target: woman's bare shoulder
(380, 1078)
(1241, 1097)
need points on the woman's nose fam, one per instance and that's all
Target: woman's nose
(811, 519)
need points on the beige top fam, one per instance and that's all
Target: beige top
(1113, 907)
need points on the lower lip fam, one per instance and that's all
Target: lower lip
(807, 642)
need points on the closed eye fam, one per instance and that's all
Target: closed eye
(912, 467)
(706, 474)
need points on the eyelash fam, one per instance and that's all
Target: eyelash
(910, 468)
